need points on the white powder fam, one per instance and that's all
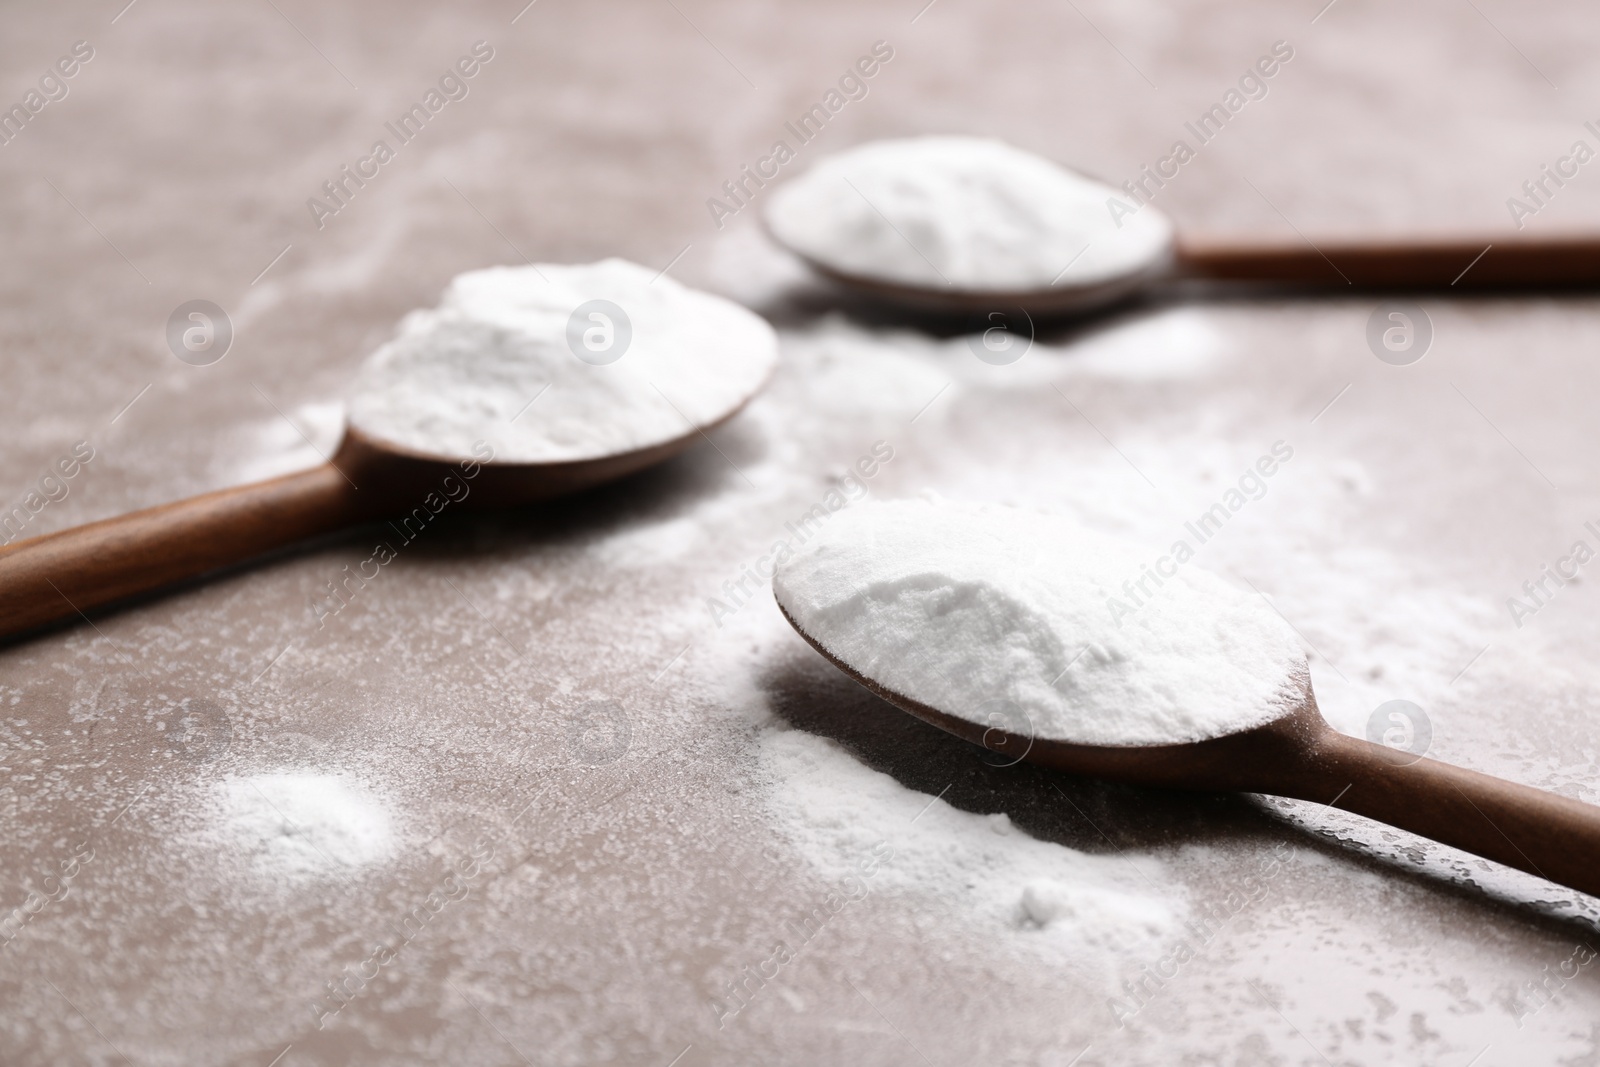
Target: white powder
(299, 827)
(985, 610)
(998, 880)
(1370, 591)
(499, 361)
(275, 446)
(964, 212)
(1178, 344)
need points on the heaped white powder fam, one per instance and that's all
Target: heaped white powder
(294, 827)
(984, 610)
(964, 212)
(527, 360)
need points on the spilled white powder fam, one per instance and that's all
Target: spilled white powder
(965, 212)
(1177, 344)
(984, 610)
(521, 358)
(294, 827)
(267, 448)
(1000, 880)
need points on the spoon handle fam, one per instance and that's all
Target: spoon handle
(1551, 836)
(1487, 263)
(55, 576)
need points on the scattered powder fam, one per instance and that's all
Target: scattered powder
(849, 375)
(269, 447)
(975, 610)
(299, 827)
(499, 361)
(1178, 344)
(995, 877)
(1335, 939)
(746, 265)
(961, 211)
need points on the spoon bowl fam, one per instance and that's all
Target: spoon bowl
(1055, 301)
(1299, 755)
(398, 472)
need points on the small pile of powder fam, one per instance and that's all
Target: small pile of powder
(552, 363)
(965, 212)
(293, 827)
(984, 610)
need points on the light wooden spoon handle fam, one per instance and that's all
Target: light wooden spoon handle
(1509, 262)
(1554, 837)
(45, 579)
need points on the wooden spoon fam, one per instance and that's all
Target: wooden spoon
(56, 576)
(1498, 263)
(1299, 755)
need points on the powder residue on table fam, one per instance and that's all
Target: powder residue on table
(977, 872)
(292, 827)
